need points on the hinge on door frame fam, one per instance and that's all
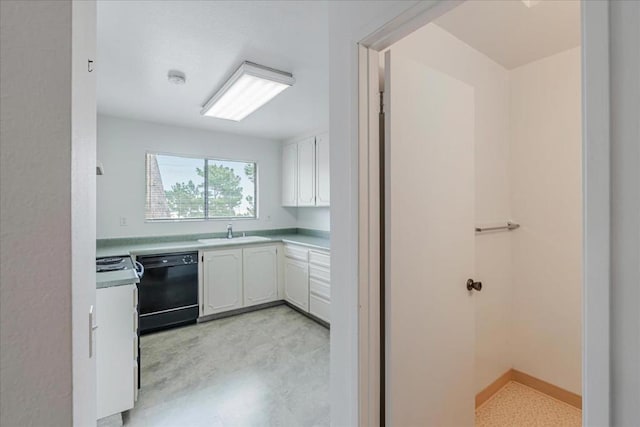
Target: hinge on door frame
(381, 102)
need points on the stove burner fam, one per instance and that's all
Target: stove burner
(109, 261)
(102, 269)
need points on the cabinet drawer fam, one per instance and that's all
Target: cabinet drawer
(320, 273)
(295, 252)
(319, 288)
(320, 308)
(321, 259)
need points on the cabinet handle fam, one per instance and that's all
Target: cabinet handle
(92, 329)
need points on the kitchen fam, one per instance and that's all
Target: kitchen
(213, 254)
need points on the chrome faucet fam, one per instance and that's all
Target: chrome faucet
(229, 231)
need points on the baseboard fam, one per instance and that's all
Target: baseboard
(549, 389)
(493, 388)
(537, 384)
(307, 314)
(261, 307)
(239, 311)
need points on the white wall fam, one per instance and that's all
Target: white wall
(349, 22)
(625, 212)
(35, 214)
(314, 218)
(122, 145)
(83, 208)
(528, 168)
(438, 49)
(546, 198)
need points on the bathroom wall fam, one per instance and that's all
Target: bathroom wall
(438, 49)
(546, 189)
(122, 144)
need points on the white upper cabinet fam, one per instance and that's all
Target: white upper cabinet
(306, 172)
(222, 281)
(322, 170)
(260, 275)
(290, 175)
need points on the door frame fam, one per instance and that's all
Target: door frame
(596, 207)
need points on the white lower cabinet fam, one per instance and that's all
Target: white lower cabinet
(237, 278)
(296, 282)
(320, 307)
(260, 265)
(116, 349)
(222, 280)
(320, 284)
(307, 280)
(249, 276)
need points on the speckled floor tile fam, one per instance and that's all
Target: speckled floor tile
(517, 405)
(265, 368)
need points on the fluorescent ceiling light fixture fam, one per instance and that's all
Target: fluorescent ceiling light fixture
(248, 89)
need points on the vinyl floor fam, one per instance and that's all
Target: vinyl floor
(264, 368)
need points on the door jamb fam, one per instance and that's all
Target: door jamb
(596, 206)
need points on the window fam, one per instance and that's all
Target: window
(179, 189)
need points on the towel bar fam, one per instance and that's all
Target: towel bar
(510, 226)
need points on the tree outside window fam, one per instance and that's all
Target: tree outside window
(192, 188)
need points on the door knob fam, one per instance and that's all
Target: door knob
(471, 285)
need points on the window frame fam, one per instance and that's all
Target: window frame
(206, 159)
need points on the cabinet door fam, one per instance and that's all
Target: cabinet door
(296, 283)
(290, 175)
(306, 172)
(260, 265)
(322, 170)
(222, 281)
(115, 350)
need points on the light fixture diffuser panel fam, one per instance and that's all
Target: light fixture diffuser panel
(248, 89)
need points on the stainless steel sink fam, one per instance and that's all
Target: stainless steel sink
(225, 241)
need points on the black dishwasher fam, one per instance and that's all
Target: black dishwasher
(168, 291)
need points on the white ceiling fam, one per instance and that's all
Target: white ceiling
(512, 34)
(140, 41)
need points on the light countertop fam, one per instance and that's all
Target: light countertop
(108, 279)
(147, 246)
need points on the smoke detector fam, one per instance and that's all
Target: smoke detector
(176, 77)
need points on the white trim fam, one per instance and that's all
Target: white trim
(404, 24)
(364, 236)
(368, 237)
(596, 178)
(596, 212)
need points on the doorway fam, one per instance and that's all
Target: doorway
(228, 214)
(494, 161)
